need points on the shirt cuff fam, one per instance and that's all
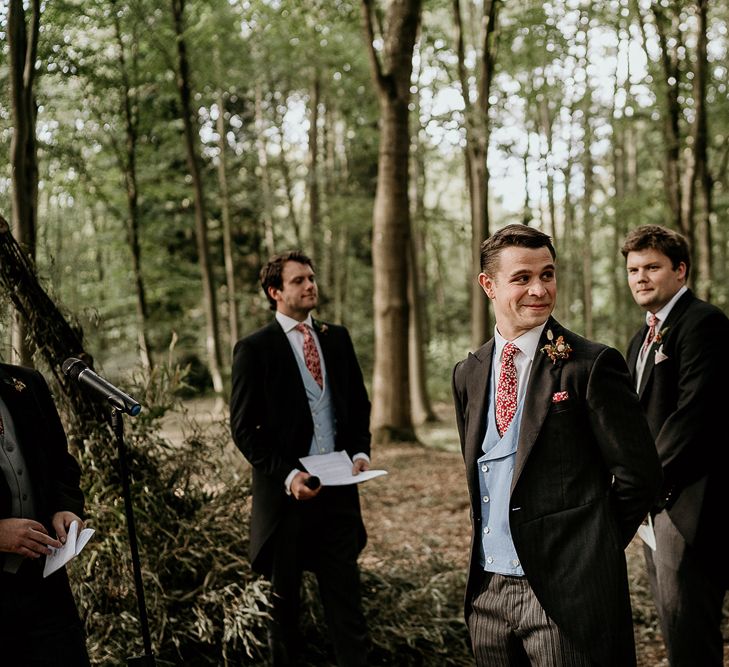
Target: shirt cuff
(361, 455)
(289, 479)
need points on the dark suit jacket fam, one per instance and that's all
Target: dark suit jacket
(272, 425)
(54, 473)
(586, 474)
(684, 398)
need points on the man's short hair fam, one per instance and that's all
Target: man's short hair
(518, 235)
(672, 244)
(271, 274)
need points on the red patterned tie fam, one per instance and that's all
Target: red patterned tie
(311, 354)
(506, 389)
(652, 323)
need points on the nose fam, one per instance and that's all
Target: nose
(537, 289)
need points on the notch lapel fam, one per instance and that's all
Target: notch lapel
(477, 390)
(543, 382)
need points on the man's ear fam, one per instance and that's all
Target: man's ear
(487, 284)
(681, 270)
(273, 293)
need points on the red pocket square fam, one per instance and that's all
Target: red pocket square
(560, 396)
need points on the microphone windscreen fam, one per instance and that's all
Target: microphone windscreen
(73, 367)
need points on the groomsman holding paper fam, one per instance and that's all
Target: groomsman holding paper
(39, 499)
(297, 390)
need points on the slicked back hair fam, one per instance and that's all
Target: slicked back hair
(517, 235)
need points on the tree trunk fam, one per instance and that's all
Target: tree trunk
(312, 177)
(391, 414)
(22, 37)
(267, 205)
(477, 144)
(201, 229)
(129, 167)
(54, 339)
(702, 176)
(232, 291)
(588, 167)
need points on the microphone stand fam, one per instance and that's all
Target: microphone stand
(146, 660)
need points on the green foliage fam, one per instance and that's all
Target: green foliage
(191, 515)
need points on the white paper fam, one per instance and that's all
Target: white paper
(335, 469)
(647, 534)
(75, 542)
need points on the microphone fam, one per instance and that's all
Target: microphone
(312, 483)
(78, 370)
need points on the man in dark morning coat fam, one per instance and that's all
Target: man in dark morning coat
(279, 414)
(558, 496)
(681, 374)
(39, 498)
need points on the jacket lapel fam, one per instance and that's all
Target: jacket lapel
(543, 380)
(674, 316)
(478, 383)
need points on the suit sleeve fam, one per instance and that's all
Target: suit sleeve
(63, 471)
(688, 436)
(459, 400)
(248, 414)
(624, 438)
(359, 404)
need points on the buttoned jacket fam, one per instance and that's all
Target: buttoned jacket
(53, 472)
(586, 474)
(683, 392)
(272, 425)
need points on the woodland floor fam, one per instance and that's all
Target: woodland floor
(420, 509)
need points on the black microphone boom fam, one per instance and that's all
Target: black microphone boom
(78, 370)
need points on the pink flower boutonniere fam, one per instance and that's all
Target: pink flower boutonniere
(659, 336)
(556, 349)
(320, 326)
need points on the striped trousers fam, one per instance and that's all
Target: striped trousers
(509, 628)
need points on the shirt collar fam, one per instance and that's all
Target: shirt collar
(662, 314)
(527, 342)
(289, 323)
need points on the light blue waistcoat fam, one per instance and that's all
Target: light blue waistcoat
(322, 410)
(496, 470)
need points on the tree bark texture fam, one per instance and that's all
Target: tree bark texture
(391, 72)
(22, 34)
(201, 227)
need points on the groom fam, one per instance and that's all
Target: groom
(561, 469)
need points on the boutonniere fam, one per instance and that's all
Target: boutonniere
(658, 339)
(556, 349)
(321, 327)
(16, 384)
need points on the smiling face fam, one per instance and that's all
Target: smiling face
(523, 289)
(299, 293)
(652, 278)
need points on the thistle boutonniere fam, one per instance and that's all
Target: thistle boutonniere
(16, 384)
(321, 327)
(658, 338)
(556, 349)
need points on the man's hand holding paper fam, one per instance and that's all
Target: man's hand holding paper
(337, 469)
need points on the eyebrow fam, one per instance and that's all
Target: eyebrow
(520, 271)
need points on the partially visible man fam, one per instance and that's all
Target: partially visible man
(298, 390)
(561, 470)
(39, 498)
(680, 367)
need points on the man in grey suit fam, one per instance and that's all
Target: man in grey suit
(680, 365)
(561, 470)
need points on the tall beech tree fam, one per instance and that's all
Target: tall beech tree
(391, 68)
(22, 30)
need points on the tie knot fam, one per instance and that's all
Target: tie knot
(302, 328)
(652, 320)
(510, 351)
